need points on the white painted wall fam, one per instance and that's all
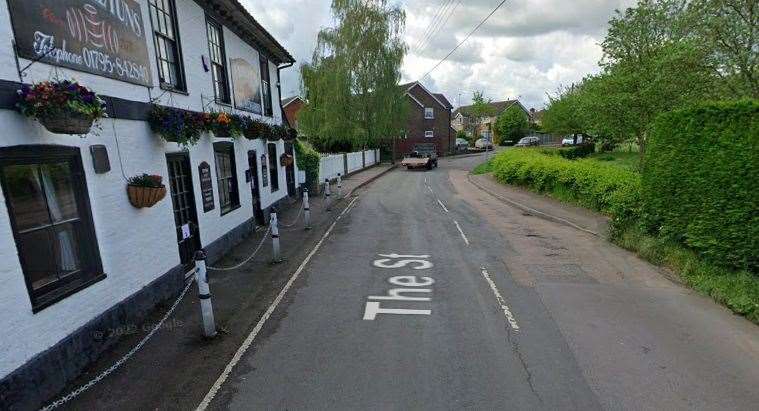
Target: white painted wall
(136, 246)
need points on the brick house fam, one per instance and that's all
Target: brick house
(291, 107)
(429, 120)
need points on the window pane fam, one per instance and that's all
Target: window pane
(26, 195)
(66, 245)
(59, 191)
(37, 257)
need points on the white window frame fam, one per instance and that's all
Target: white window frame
(429, 134)
(429, 113)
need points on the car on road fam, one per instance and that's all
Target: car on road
(423, 156)
(570, 140)
(483, 144)
(528, 141)
(461, 145)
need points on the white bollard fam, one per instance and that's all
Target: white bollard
(204, 294)
(306, 209)
(339, 186)
(327, 193)
(275, 236)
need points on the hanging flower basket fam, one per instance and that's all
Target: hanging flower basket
(224, 125)
(70, 123)
(286, 160)
(292, 134)
(254, 129)
(277, 133)
(145, 191)
(178, 126)
(62, 107)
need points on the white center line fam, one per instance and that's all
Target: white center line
(466, 240)
(252, 336)
(501, 301)
(442, 205)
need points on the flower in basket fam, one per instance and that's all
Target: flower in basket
(178, 126)
(145, 190)
(278, 132)
(225, 125)
(63, 107)
(146, 180)
(253, 129)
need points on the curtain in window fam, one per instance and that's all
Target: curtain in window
(66, 257)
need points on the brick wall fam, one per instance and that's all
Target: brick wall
(417, 124)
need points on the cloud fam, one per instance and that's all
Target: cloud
(527, 48)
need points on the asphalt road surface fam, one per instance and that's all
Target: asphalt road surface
(431, 294)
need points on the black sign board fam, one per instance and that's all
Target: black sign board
(206, 186)
(264, 171)
(102, 37)
(100, 161)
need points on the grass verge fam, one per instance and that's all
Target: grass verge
(484, 168)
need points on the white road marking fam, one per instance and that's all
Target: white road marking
(442, 205)
(252, 336)
(404, 256)
(466, 240)
(430, 188)
(501, 301)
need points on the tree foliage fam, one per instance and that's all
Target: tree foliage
(512, 124)
(351, 85)
(659, 56)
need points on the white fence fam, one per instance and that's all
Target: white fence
(333, 164)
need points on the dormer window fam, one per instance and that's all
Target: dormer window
(429, 113)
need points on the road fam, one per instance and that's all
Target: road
(431, 294)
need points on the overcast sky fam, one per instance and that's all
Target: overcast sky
(527, 49)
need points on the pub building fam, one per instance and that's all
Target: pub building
(77, 256)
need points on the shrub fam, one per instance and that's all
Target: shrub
(308, 161)
(571, 153)
(701, 181)
(601, 187)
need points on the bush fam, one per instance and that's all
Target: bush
(308, 160)
(571, 153)
(701, 181)
(602, 187)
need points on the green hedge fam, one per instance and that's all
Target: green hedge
(308, 160)
(701, 181)
(602, 187)
(572, 153)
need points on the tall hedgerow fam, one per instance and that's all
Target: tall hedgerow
(701, 181)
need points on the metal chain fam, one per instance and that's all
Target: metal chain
(120, 362)
(258, 248)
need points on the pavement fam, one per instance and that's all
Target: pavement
(175, 368)
(425, 291)
(431, 293)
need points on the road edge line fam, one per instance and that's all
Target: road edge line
(269, 311)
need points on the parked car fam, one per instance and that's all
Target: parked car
(570, 140)
(483, 144)
(423, 156)
(528, 141)
(461, 144)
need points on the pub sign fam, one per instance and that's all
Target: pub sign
(103, 37)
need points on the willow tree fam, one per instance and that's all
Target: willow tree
(351, 85)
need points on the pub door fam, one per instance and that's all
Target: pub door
(183, 201)
(252, 174)
(290, 171)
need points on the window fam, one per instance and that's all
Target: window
(48, 205)
(166, 37)
(218, 58)
(429, 113)
(273, 169)
(266, 87)
(226, 177)
(429, 134)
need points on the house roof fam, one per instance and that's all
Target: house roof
(440, 98)
(498, 107)
(288, 100)
(237, 18)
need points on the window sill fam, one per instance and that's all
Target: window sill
(223, 103)
(171, 89)
(66, 291)
(229, 210)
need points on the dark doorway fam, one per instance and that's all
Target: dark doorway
(252, 175)
(290, 171)
(183, 200)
